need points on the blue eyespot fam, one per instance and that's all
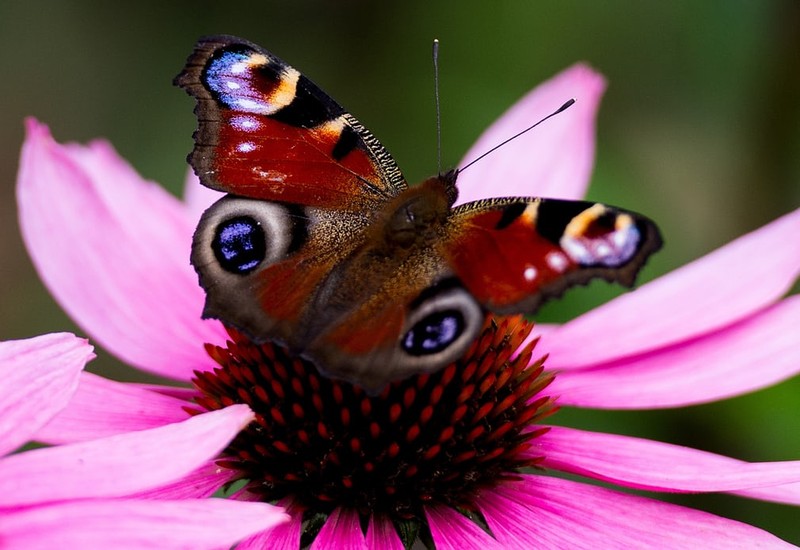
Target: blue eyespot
(232, 77)
(239, 245)
(434, 333)
(226, 75)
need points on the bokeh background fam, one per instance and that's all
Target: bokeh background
(700, 129)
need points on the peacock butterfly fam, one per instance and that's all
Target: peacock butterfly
(321, 245)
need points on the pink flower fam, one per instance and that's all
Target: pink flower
(85, 495)
(114, 249)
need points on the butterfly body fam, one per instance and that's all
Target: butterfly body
(321, 245)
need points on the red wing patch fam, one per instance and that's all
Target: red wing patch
(362, 334)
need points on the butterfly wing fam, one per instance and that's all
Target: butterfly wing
(267, 266)
(515, 253)
(268, 132)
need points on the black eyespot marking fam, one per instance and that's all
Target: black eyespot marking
(553, 216)
(441, 287)
(309, 108)
(239, 245)
(434, 333)
(604, 223)
(511, 213)
(348, 140)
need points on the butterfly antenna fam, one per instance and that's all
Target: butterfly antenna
(438, 110)
(561, 109)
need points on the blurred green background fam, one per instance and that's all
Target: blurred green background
(700, 129)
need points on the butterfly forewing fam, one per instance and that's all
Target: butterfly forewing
(514, 253)
(268, 132)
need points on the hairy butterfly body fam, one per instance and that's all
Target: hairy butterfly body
(320, 244)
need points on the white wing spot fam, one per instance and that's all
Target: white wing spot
(270, 175)
(557, 261)
(252, 105)
(245, 123)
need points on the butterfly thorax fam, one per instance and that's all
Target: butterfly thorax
(416, 216)
(396, 240)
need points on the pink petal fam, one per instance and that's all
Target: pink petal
(341, 531)
(452, 531)
(718, 289)
(751, 354)
(503, 515)
(181, 393)
(554, 160)
(137, 525)
(113, 249)
(784, 494)
(39, 377)
(201, 483)
(285, 536)
(547, 512)
(382, 534)
(119, 465)
(102, 407)
(197, 197)
(651, 465)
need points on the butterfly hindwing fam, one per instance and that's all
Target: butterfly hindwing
(268, 132)
(418, 319)
(263, 263)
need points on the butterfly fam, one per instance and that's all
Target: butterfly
(321, 245)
